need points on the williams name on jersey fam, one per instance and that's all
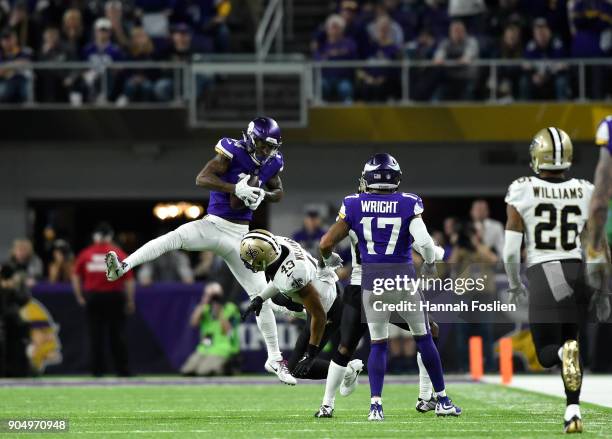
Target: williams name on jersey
(554, 212)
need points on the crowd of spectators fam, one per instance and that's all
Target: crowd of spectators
(538, 35)
(102, 32)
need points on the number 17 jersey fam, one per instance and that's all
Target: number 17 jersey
(554, 212)
(381, 223)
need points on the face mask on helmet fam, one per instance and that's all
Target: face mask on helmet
(262, 146)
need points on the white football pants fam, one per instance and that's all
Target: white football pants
(223, 238)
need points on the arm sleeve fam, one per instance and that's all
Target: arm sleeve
(418, 230)
(439, 251)
(512, 257)
(269, 292)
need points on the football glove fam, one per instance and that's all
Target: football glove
(597, 269)
(302, 368)
(429, 270)
(254, 307)
(333, 261)
(600, 304)
(517, 295)
(248, 194)
(254, 205)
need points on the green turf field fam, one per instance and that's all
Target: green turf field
(277, 411)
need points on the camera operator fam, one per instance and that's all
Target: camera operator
(14, 331)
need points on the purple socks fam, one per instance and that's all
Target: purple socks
(377, 366)
(431, 360)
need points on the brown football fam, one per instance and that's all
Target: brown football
(235, 202)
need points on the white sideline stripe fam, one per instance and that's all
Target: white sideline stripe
(596, 389)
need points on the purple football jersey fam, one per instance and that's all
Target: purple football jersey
(381, 223)
(604, 134)
(241, 164)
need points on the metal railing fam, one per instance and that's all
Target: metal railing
(580, 73)
(587, 79)
(270, 29)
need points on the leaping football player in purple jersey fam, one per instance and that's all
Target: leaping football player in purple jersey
(387, 223)
(222, 229)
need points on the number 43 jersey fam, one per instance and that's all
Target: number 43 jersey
(296, 268)
(554, 212)
(381, 223)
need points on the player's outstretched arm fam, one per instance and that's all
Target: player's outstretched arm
(312, 303)
(422, 239)
(334, 235)
(598, 209)
(512, 253)
(209, 176)
(275, 189)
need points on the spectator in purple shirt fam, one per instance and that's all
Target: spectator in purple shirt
(381, 83)
(13, 79)
(354, 28)
(546, 79)
(101, 52)
(337, 82)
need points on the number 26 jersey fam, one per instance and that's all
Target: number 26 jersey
(554, 213)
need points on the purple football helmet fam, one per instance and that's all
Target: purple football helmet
(381, 172)
(263, 138)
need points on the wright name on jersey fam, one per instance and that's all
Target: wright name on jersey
(296, 268)
(554, 212)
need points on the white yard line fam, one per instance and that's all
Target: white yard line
(596, 389)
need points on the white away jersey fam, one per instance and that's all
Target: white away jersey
(554, 212)
(298, 269)
(356, 259)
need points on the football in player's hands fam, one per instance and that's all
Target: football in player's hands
(235, 202)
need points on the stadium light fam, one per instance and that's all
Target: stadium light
(165, 211)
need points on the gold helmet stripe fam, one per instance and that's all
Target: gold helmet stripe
(558, 146)
(265, 238)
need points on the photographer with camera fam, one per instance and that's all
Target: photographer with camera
(218, 322)
(14, 331)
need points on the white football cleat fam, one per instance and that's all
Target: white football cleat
(376, 412)
(350, 381)
(114, 268)
(281, 370)
(325, 411)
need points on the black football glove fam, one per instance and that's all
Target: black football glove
(302, 368)
(254, 307)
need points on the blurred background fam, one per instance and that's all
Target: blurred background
(109, 109)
